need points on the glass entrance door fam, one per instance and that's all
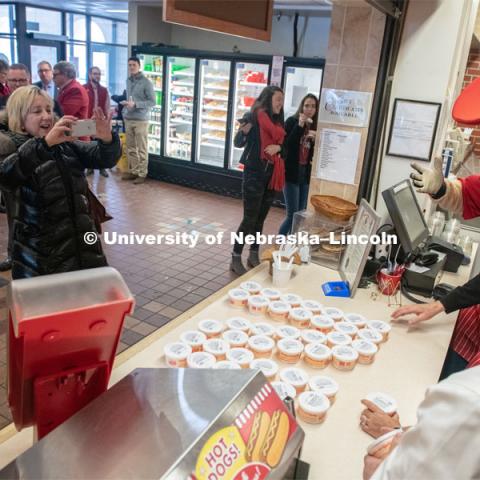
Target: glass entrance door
(41, 51)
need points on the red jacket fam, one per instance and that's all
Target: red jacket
(74, 100)
(103, 98)
(471, 196)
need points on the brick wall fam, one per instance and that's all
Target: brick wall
(472, 73)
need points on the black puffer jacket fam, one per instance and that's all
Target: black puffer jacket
(52, 213)
(251, 158)
(293, 169)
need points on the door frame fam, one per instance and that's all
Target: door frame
(31, 41)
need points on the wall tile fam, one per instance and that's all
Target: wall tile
(375, 38)
(336, 31)
(355, 35)
(349, 78)
(369, 79)
(329, 76)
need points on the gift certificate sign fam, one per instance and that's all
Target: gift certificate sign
(345, 107)
(338, 156)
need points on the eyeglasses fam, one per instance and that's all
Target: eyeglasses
(46, 70)
(17, 80)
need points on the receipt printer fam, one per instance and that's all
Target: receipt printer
(453, 252)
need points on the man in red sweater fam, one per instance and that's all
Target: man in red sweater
(72, 97)
(98, 96)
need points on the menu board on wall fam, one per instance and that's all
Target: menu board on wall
(338, 155)
(245, 18)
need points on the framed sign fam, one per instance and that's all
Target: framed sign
(355, 255)
(413, 128)
(244, 18)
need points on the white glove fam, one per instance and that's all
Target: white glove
(428, 180)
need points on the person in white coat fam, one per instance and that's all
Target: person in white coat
(443, 445)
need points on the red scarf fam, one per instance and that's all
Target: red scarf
(272, 134)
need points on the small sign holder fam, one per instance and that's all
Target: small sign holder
(355, 256)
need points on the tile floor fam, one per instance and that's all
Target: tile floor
(166, 280)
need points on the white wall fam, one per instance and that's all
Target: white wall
(146, 25)
(314, 44)
(430, 62)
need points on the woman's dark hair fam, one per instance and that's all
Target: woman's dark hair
(313, 126)
(264, 101)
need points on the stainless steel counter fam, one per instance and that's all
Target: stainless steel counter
(152, 424)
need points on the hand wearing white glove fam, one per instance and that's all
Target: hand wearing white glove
(428, 180)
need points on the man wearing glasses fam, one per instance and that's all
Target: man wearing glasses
(46, 83)
(18, 75)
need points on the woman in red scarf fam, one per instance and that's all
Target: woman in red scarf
(262, 135)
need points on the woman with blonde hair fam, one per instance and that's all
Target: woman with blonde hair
(43, 170)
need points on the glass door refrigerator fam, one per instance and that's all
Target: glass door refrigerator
(212, 112)
(250, 80)
(180, 101)
(298, 81)
(152, 68)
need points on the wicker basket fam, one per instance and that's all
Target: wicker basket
(333, 207)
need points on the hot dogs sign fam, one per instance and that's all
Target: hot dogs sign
(253, 446)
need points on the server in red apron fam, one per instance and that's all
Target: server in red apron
(461, 197)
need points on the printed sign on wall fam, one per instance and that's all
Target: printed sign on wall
(345, 107)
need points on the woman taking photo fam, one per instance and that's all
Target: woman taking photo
(300, 137)
(262, 135)
(43, 171)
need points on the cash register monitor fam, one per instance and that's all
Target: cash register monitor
(407, 217)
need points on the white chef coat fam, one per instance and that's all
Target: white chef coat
(444, 444)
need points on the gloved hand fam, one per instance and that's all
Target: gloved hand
(428, 180)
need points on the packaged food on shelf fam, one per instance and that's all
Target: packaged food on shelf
(257, 304)
(261, 345)
(194, 339)
(284, 390)
(235, 338)
(243, 356)
(262, 328)
(238, 298)
(217, 347)
(268, 367)
(176, 354)
(312, 407)
(296, 377)
(380, 326)
(200, 360)
(239, 323)
(278, 311)
(211, 328)
(383, 401)
(347, 328)
(312, 305)
(287, 331)
(366, 351)
(322, 323)
(335, 339)
(312, 336)
(317, 355)
(300, 317)
(289, 350)
(326, 385)
(344, 357)
(227, 365)
(292, 299)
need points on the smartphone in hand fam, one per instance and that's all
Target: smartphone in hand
(84, 128)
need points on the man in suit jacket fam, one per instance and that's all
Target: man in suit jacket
(46, 82)
(72, 97)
